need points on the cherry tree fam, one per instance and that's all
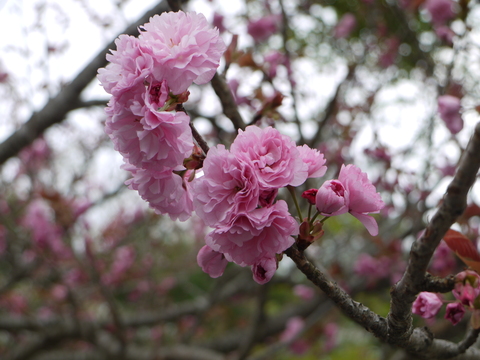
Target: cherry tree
(261, 180)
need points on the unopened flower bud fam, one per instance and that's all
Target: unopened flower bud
(454, 312)
(331, 198)
(195, 161)
(310, 195)
(426, 305)
(317, 230)
(264, 270)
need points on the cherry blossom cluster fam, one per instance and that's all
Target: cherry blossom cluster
(466, 293)
(235, 192)
(148, 77)
(236, 196)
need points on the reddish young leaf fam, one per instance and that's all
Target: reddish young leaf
(471, 211)
(464, 248)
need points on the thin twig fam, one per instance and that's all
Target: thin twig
(288, 63)
(229, 106)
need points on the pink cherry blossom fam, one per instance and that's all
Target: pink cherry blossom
(218, 22)
(267, 197)
(304, 292)
(449, 109)
(127, 68)
(264, 269)
(345, 26)
(272, 60)
(185, 47)
(36, 155)
(332, 198)
(165, 191)
(363, 198)
(466, 293)
(275, 156)
(441, 11)
(427, 305)
(314, 160)
(292, 328)
(211, 262)
(160, 140)
(229, 186)
(250, 237)
(369, 267)
(124, 258)
(45, 233)
(261, 29)
(454, 312)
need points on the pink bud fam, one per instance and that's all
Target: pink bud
(426, 305)
(465, 293)
(211, 262)
(264, 270)
(218, 22)
(454, 312)
(331, 198)
(310, 195)
(468, 276)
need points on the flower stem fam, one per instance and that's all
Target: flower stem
(291, 189)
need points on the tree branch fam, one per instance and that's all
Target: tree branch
(454, 203)
(356, 311)
(230, 108)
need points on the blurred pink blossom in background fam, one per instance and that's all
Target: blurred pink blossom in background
(441, 11)
(345, 26)
(449, 109)
(261, 29)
